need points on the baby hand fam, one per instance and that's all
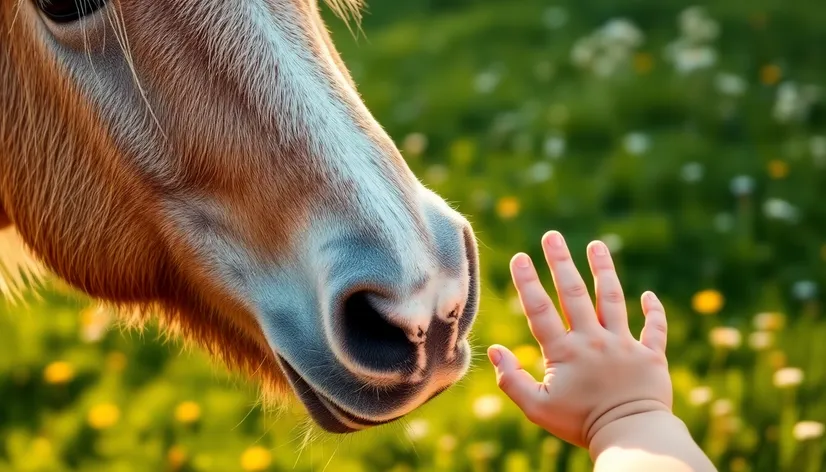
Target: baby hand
(595, 373)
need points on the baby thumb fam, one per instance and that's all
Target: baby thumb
(518, 384)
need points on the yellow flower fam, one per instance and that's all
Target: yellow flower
(507, 207)
(176, 456)
(256, 458)
(103, 416)
(738, 464)
(41, 447)
(707, 302)
(643, 62)
(778, 169)
(188, 412)
(527, 355)
(770, 74)
(59, 372)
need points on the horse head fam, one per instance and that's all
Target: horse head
(212, 164)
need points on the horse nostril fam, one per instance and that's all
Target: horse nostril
(373, 341)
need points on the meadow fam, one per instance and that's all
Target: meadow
(692, 140)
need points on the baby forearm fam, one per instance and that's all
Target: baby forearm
(656, 440)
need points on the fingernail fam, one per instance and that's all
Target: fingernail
(495, 356)
(523, 261)
(555, 239)
(600, 249)
(651, 297)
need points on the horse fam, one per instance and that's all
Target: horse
(210, 166)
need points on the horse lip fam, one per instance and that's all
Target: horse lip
(324, 411)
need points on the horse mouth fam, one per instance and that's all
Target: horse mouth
(324, 411)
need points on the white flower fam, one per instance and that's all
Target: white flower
(554, 147)
(692, 172)
(418, 428)
(778, 209)
(540, 172)
(697, 26)
(613, 241)
(804, 289)
(636, 143)
(722, 407)
(486, 82)
(725, 337)
(742, 185)
(723, 222)
(584, 51)
(608, 48)
(760, 340)
(788, 377)
(768, 321)
(415, 144)
(555, 17)
(806, 430)
(730, 84)
(700, 395)
(95, 323)
(487, 406)
(691, 58)
(622, 31)
(793, 102)
(604, 66)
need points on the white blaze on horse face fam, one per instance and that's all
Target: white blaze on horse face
(313, 99)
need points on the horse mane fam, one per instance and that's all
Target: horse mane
(346, 9)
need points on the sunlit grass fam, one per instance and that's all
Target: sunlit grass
(692, 144)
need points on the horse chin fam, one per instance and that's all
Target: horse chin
(332, 418)
(323, 411)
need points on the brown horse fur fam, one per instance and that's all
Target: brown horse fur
(91, 250)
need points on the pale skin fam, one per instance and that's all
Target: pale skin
(603, 389)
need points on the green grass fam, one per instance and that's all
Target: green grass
(670, 212)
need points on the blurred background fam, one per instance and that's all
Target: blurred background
(692, 140)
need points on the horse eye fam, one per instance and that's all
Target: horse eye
(67, 11)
